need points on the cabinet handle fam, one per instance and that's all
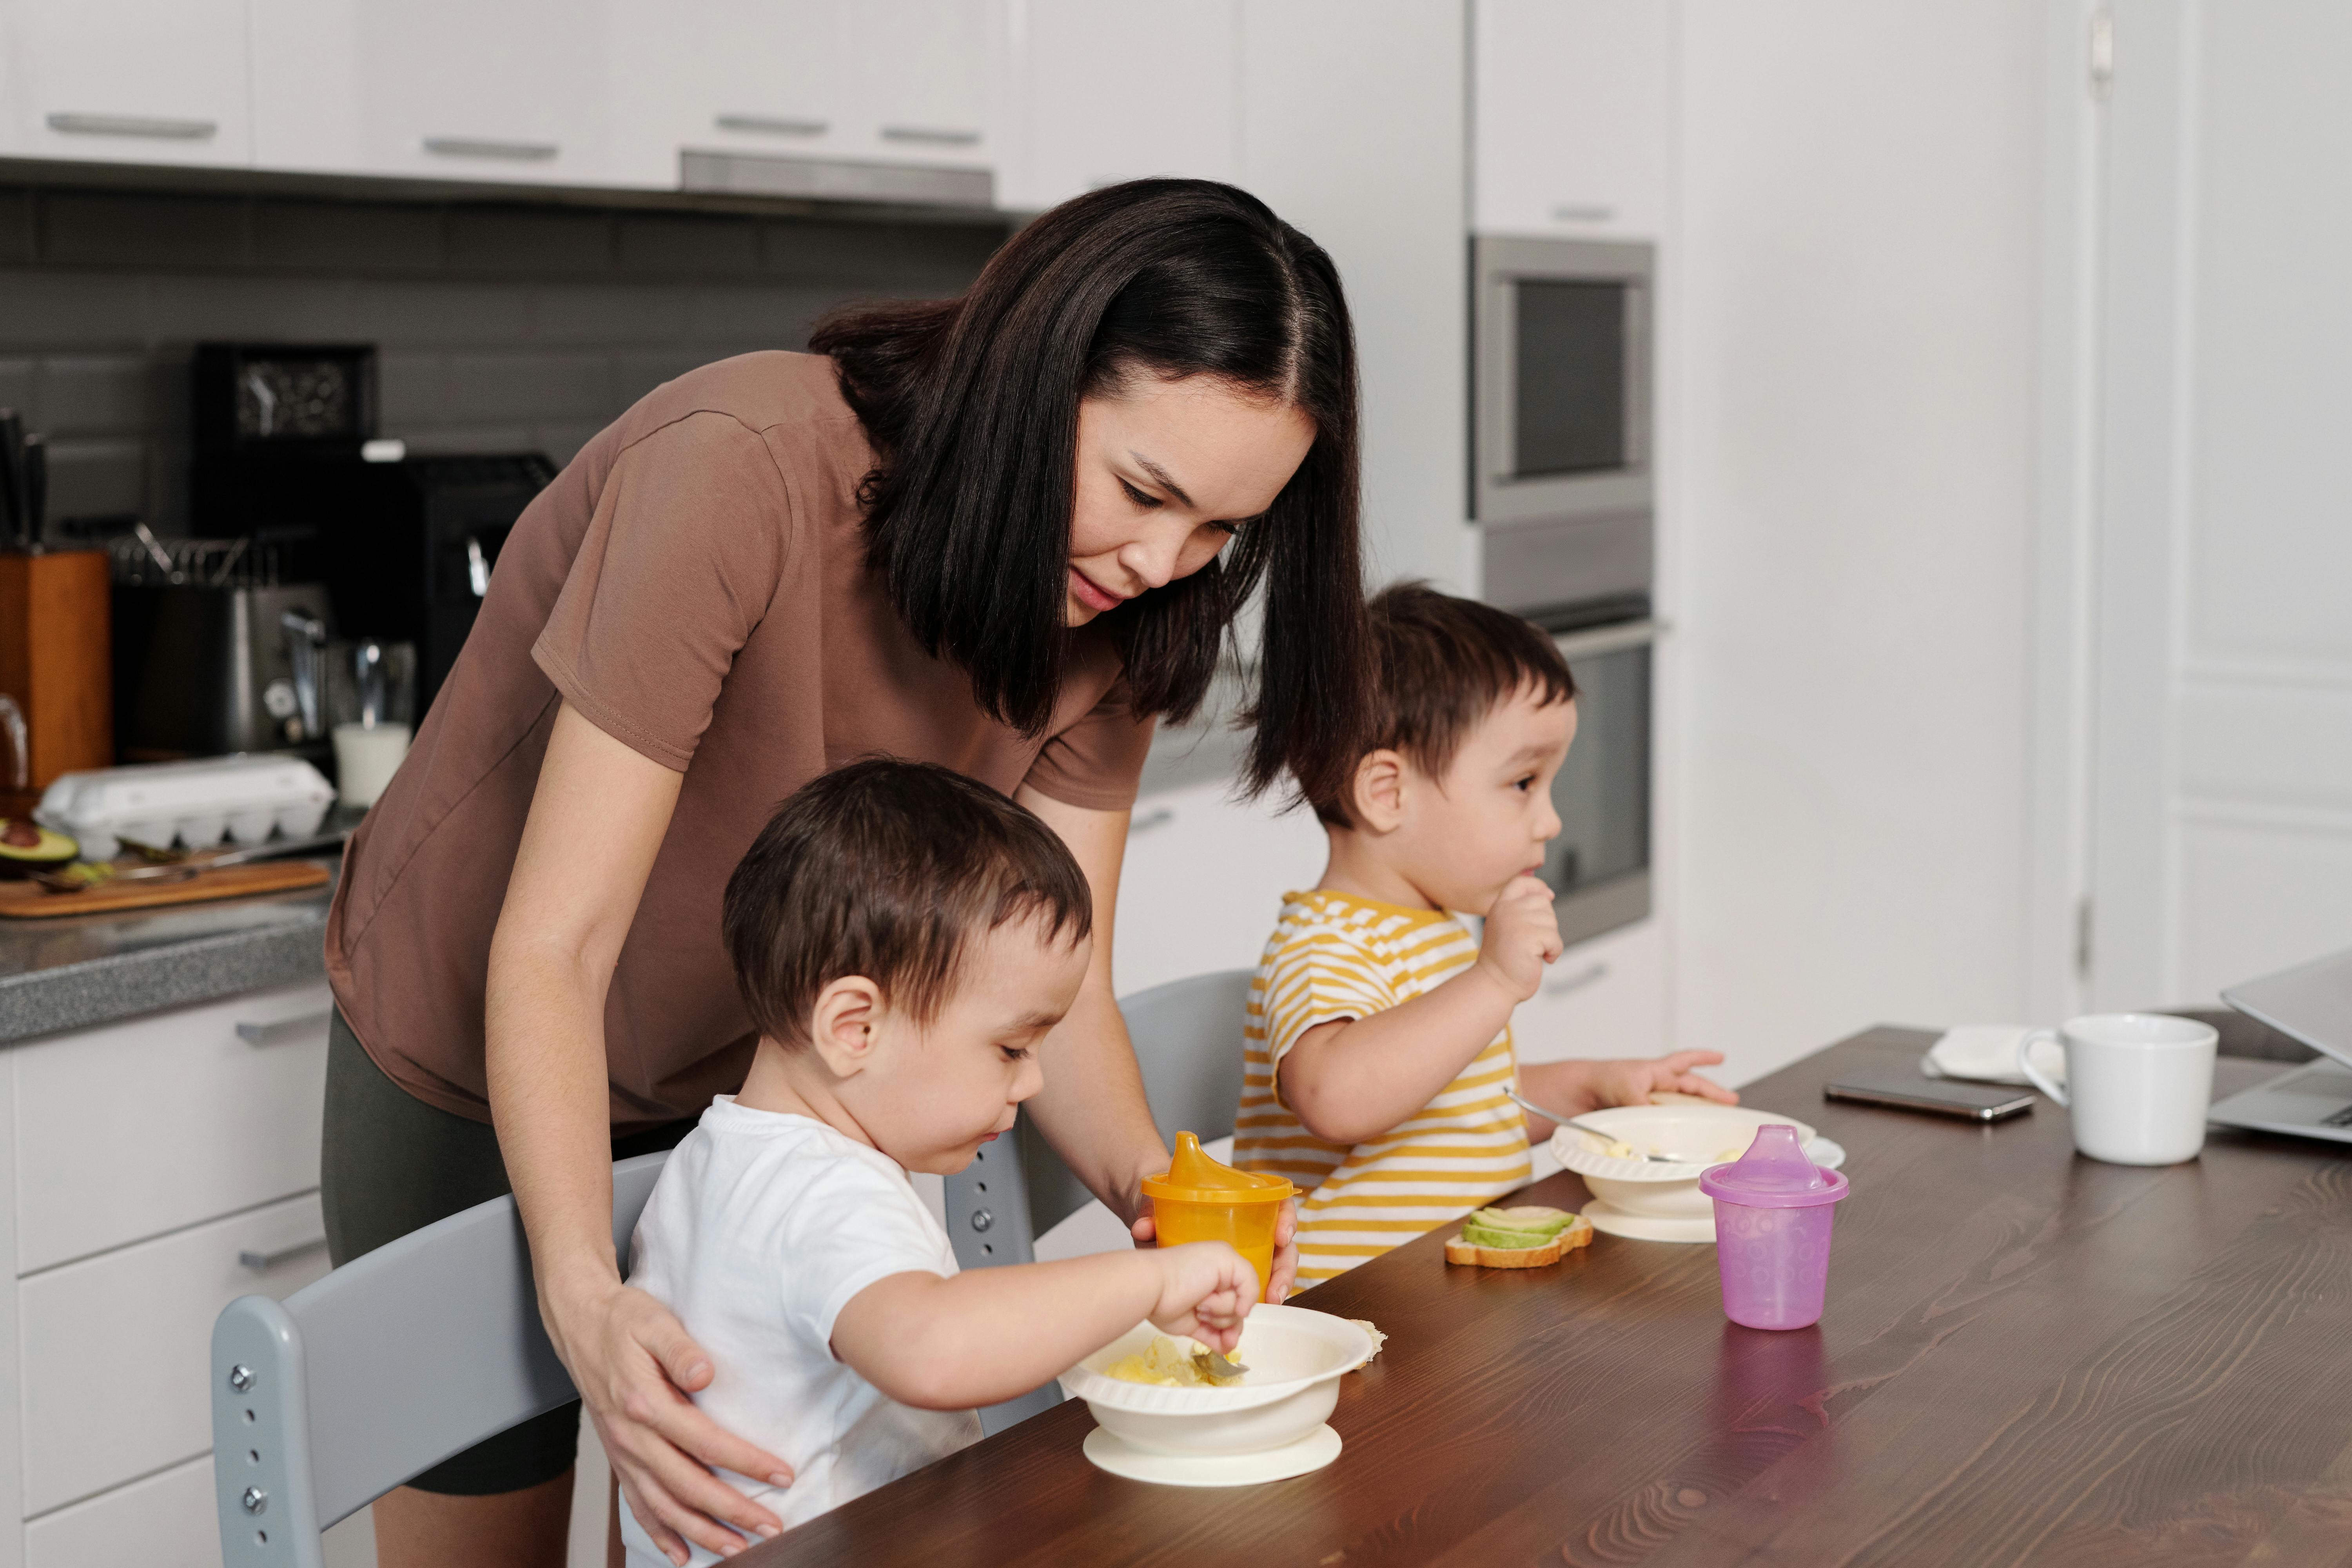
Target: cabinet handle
(478, 147)
(263, 1262)
(933, 136)
(1588, 975)
(153, 128)
(773, 126)
(277, 1031)
(1582, 212)
(1158, 816)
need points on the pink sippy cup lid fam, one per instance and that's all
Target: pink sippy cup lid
(1773, 1175)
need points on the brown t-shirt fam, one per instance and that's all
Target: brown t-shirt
(695, 584)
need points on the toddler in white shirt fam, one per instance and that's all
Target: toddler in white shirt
(904, 939)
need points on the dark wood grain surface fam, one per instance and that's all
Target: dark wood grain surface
(2027, 1357)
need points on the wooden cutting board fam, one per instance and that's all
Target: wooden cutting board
(27, 900)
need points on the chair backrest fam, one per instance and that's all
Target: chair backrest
(1188, 1041)
(324, 1402)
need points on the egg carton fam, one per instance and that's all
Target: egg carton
(194, 803)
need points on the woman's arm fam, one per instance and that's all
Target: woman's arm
(991, 1334)
(597, 818)
(1092, 1109)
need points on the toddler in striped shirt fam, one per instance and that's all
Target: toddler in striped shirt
(1378, 1041)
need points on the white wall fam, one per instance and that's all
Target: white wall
(1851, 298)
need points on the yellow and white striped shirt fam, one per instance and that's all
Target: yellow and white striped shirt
(1335, 956)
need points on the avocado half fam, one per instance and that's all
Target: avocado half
(26, 846)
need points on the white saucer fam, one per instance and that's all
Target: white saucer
(1610, 1220)
(1312, 1452)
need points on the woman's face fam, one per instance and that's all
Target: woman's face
(1167, 471)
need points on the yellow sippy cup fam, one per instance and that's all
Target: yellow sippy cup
(1196, 1199)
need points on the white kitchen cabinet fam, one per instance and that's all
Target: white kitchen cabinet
(114, 1379)
(1574, 103)
(133, 1129)
(1203, 881)
(512, 92)
(128, 81)
(1116, 89)
(1602, 998)
(766, 78)
(925, 82)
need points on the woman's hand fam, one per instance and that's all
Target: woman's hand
(1285, 1249)
(635, 1366)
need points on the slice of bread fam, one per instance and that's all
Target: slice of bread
(1578, 1234)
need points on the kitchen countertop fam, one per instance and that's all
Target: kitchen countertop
(72, 974)
(62, 974)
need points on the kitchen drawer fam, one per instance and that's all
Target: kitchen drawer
(113, 1378)
(1602, 998)
(132, 1129)
(163, 1521)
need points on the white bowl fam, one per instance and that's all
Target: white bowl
(1296, 1358)
(1716, 1133)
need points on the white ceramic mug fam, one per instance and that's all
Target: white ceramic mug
(2138, 1084)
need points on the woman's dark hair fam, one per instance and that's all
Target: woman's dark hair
(889, 869)
(972, 406)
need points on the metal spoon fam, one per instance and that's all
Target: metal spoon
(1214, 1364)
(1583, 1126)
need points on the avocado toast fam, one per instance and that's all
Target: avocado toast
(1525, 1237)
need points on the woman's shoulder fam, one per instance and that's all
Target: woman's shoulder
(789, 400)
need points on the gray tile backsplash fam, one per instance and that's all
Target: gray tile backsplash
(499, 327)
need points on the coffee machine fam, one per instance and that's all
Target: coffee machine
(403, 547)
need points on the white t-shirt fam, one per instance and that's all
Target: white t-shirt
(761, 1229)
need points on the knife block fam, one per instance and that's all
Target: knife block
(55, 610)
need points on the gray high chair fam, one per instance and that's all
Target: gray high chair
(1188, 1041)
(328, 1400)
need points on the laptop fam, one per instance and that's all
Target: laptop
(2311, 1002)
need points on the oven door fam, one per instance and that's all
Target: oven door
(1600, 864)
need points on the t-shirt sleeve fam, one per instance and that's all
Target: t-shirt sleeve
(1319, 979)
(1096, 763)
(679, 563)
(856, 1227)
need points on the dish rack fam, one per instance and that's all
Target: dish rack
(194, 804)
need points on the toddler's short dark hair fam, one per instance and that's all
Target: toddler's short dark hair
(887, 868)
(1439, 665)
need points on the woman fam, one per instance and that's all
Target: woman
(1006, 533)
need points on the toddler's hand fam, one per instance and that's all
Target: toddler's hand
(1522, 936)
(1205, 1289)
(1632, 1082)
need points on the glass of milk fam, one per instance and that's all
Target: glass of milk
(371, 705)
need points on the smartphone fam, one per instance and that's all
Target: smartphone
(1938, 1097)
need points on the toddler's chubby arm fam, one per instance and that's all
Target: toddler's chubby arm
(990, 1334)
(1577, 1087)
(1357, 1077)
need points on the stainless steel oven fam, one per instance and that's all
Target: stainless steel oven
(1600, 864)
(1560, 479)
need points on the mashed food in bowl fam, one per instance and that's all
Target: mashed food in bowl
(1168, 1364)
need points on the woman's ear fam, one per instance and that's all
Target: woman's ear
(842, 1023)
(1376, 799)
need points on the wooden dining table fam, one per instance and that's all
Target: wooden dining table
(2027, 1357)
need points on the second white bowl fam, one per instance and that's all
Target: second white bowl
(1296, 1358)
(1714, 1133)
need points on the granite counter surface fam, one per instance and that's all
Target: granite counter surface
(76, 972)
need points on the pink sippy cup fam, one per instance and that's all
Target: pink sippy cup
(1772, 1209)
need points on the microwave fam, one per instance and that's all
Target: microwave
(1561, 372)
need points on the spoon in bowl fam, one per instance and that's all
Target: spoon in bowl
(1583, 1126)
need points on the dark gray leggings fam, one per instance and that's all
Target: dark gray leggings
(392, 1164)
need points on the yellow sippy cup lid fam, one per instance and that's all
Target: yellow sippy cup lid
(1191, 1177)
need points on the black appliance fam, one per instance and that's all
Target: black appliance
(286, 456)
